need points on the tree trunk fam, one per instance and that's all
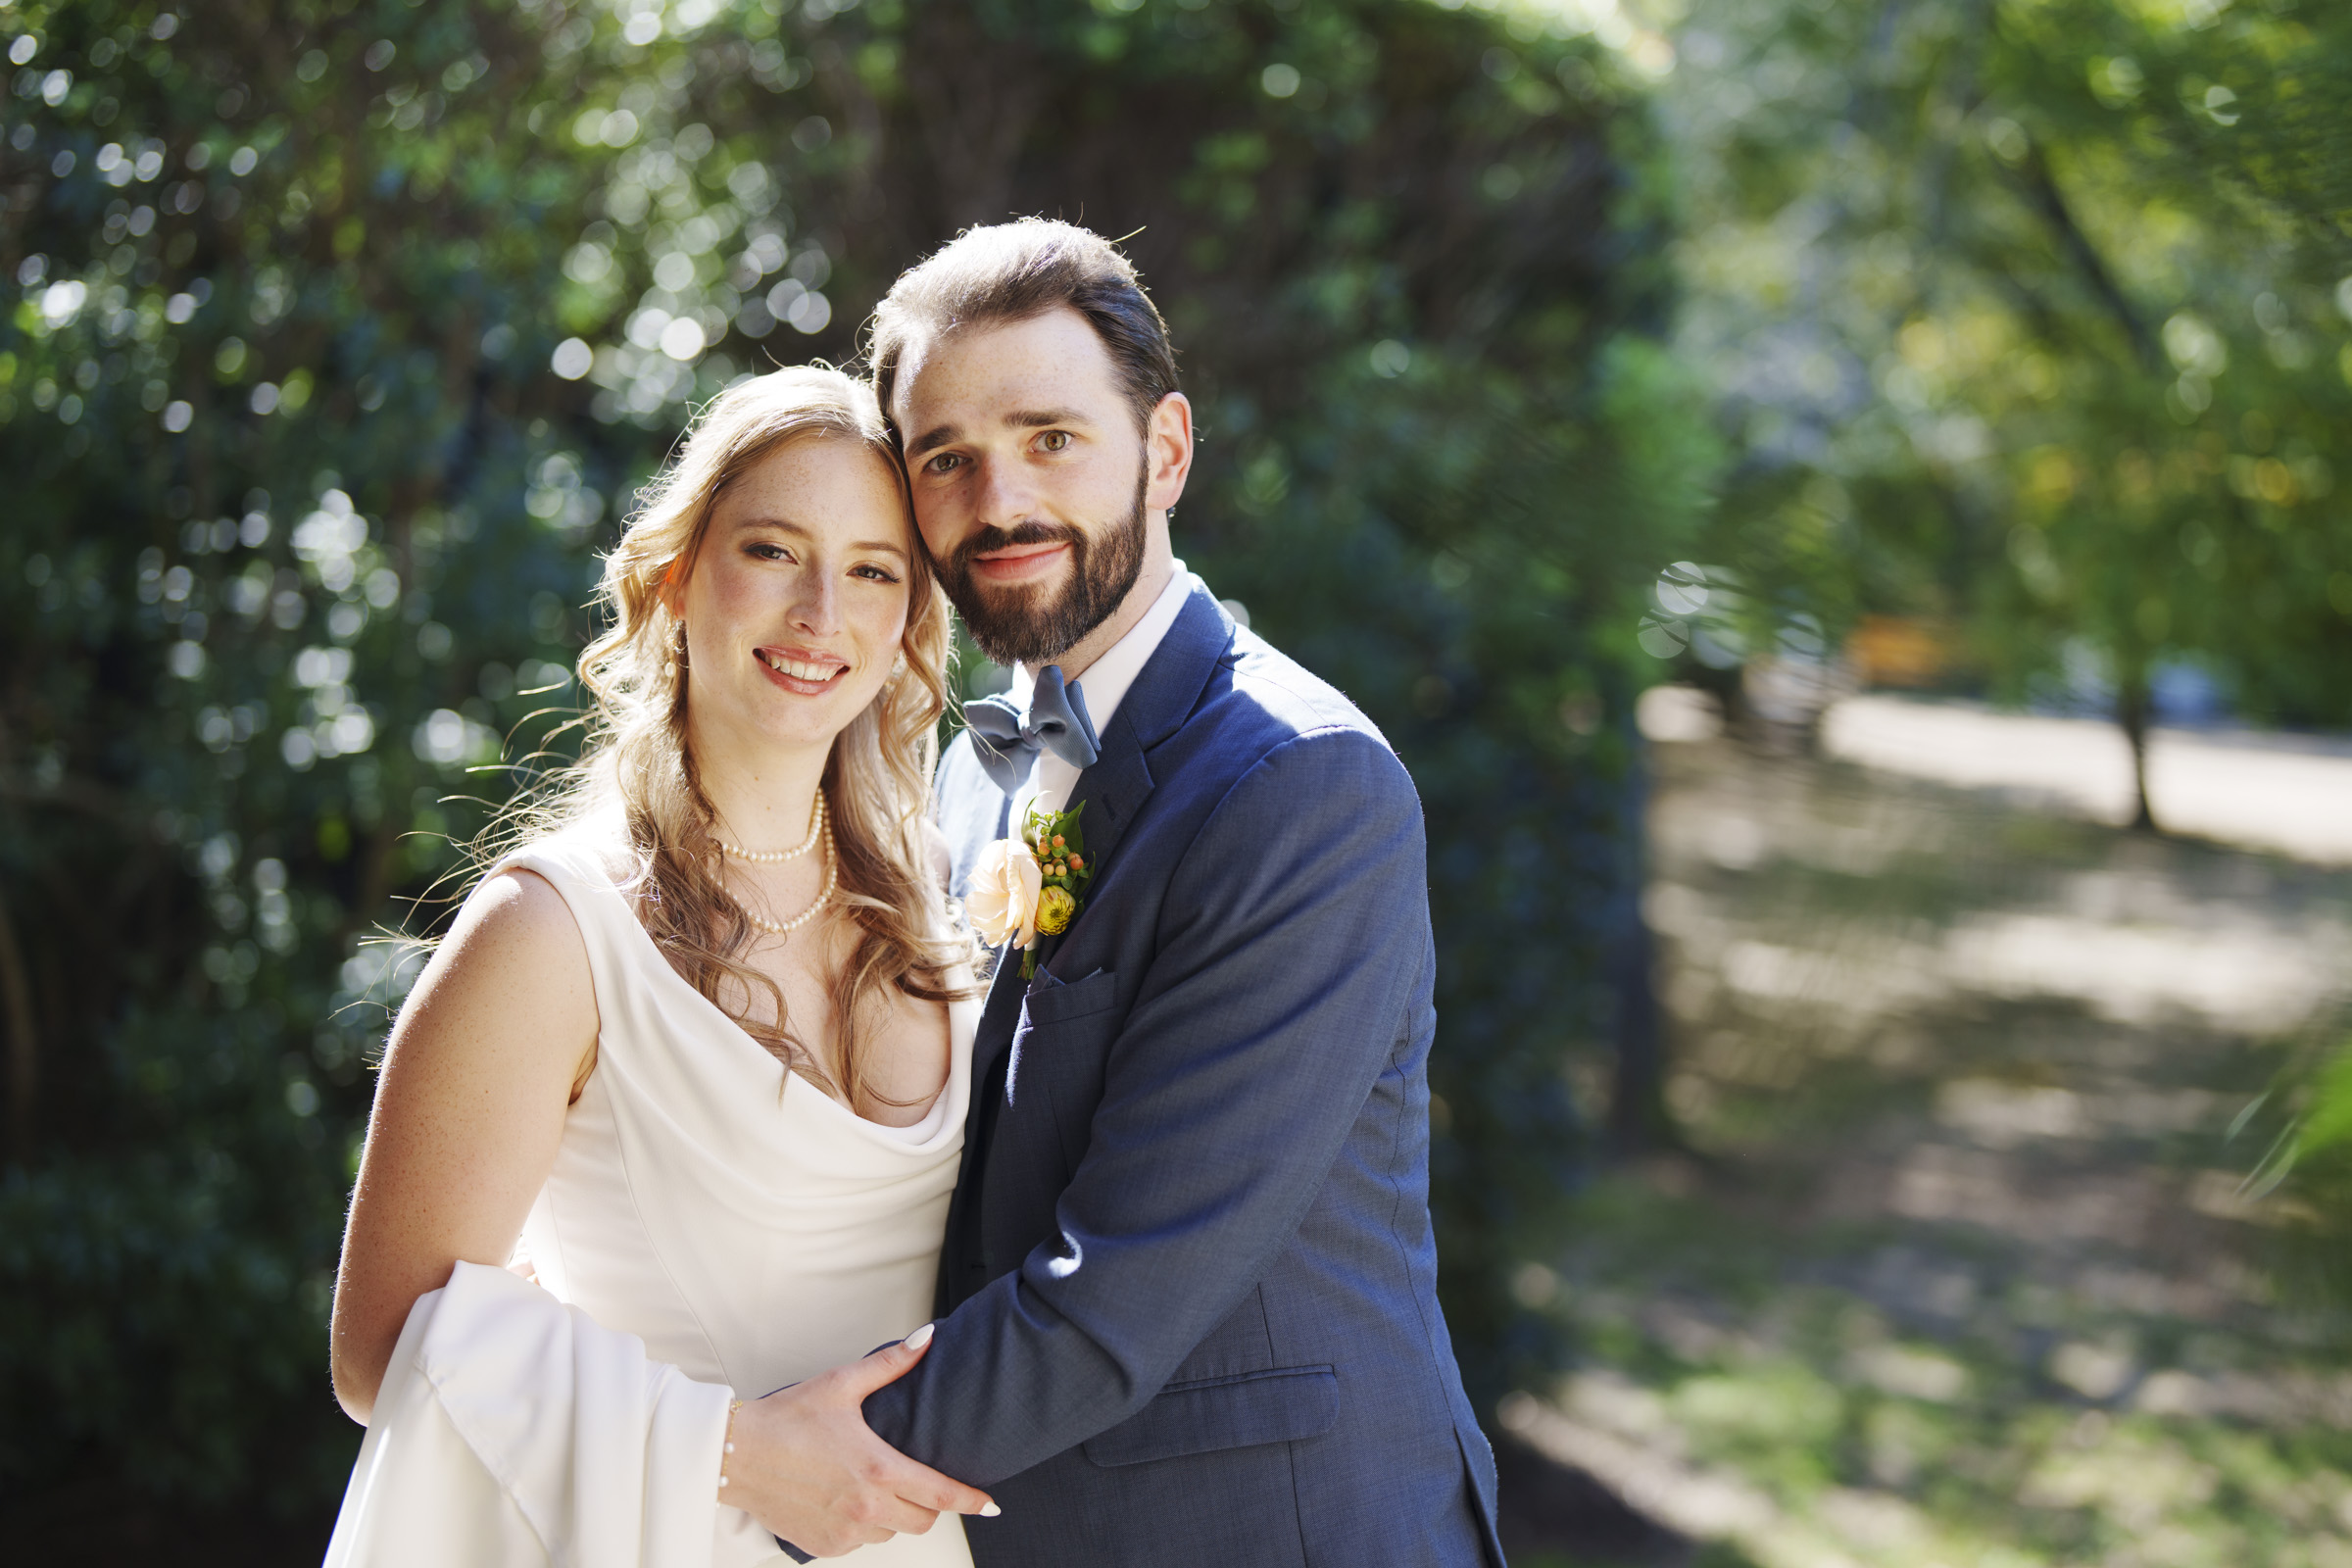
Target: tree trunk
(2132, 708)
(1640, 1122)
(24, 1045)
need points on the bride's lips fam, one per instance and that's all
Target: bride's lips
(1016, 564)
(801, 671)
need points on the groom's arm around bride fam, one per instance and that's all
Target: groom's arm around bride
(1208, 1309)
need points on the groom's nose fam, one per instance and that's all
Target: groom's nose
(1006, 494)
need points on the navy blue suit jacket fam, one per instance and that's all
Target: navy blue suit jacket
(1187, 1300)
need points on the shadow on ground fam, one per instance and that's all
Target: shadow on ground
(1557, 1516)
(1967, 1270)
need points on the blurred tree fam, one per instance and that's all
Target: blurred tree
(2028, 317)
(343, 330)
(299, 520)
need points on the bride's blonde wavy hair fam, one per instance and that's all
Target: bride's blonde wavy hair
(878, 779)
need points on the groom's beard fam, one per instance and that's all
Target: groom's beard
(1033, 624)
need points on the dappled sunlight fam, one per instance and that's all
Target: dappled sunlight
(2254, 980)
(2288, 792)
(1968, 1267)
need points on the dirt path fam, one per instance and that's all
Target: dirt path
(1965, 1273)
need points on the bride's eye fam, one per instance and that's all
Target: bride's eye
(874, 573)
(767, 552)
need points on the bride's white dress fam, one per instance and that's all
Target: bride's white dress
(749, 1229)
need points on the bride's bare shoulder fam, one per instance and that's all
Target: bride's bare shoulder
(519, 928)
(517, 934)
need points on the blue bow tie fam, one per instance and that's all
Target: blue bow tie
(1007, 740)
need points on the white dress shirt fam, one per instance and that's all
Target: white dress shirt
(1104, 684)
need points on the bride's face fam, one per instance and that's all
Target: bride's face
(796, 601)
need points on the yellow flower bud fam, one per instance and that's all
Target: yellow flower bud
(1054, 906)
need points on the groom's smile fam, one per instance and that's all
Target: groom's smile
(1021, 564)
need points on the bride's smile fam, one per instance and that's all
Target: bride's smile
(802, 672)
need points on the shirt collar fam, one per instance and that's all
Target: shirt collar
(1107, 678)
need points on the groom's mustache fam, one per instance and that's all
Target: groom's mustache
(1028, 531)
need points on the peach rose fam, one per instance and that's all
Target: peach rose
(1002, 901)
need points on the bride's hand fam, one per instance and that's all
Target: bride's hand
(807, 1466)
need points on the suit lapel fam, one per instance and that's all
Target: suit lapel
(1115, 789)
(1155, 707)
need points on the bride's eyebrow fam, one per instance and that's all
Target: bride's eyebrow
(780, 526)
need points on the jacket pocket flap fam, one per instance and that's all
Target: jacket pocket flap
(1055, 1001)
(1282, 1405)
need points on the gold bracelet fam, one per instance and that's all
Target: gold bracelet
(727, 1447)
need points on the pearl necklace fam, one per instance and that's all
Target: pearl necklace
(823, 898)
(817, 825)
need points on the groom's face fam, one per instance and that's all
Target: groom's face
(1029, 476)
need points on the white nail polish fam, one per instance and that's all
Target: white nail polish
(920, 1337)
(991, 1511)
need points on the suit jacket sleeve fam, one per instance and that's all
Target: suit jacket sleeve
(1292, 936)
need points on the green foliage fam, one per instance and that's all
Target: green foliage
(300, 522)
(2307, 1164)
(2327, 1125)
(2030, 318)
(342, 332)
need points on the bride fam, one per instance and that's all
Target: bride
(699, 1045)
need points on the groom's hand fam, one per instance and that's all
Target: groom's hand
(807, 1466)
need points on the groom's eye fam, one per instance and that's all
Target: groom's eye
(942, 464)
(1055, 440)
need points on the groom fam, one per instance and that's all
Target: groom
(1188, 1305)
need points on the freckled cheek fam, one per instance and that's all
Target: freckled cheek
(738, 596)
(1093, 493)
(879, 628)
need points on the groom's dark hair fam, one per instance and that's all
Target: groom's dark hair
(1014, 271)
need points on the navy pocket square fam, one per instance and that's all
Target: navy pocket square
(1047, 980)
(1052, 999)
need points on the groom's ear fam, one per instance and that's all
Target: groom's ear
(1168, 450)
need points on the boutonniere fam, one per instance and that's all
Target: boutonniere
(1031, 886)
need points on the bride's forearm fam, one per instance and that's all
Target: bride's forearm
(356, 1360)
(355, 1391)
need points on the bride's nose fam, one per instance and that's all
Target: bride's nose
(817, 604)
